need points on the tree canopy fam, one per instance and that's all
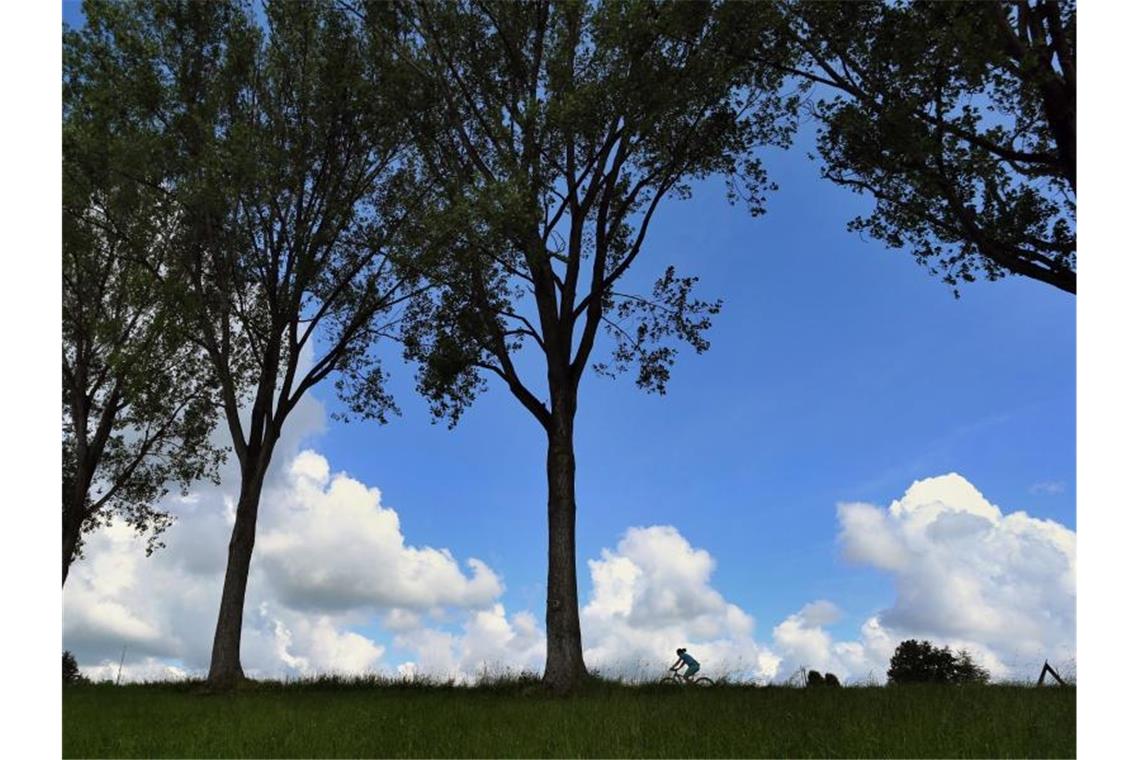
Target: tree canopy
(137, 402)
(283, 166)
(959, 120)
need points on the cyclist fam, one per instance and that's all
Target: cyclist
(684, 658)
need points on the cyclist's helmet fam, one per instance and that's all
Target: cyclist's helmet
(681, 652)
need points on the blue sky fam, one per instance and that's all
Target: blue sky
(839, 371)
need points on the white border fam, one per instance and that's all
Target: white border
(31, 636)
(1107, 379)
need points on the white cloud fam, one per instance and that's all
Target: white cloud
(491, 644)
(103, 611)
(147, 669)
(867, 539)
(1047, 488)
(653, 594)
(802, 641)
(967, 575)
(313, 645)
(332, 546)
(820, 613)
(332, 561)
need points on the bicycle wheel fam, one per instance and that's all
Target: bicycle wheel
(703, 681)
(669, 680)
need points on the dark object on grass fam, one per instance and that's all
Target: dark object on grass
(831, 680)
(814, 678)
(71, 672)
(1046, 668)
(922, 662)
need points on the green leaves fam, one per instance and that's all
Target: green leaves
(962, 130)
(137, 401)
(232, 188)
(639, 326)
(555, 132)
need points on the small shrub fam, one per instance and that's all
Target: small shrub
(71, 672)
(968, 671)
(922, 662)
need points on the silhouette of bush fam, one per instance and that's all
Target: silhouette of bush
(831, 680)
(71, 672)
(922, 662)
(968, 671)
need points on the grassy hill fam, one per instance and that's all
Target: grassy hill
(361, 718)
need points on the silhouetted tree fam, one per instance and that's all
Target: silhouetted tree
(921, 662)
(137, 406)
(288, 195)
(550, 135)
(966, 670)
(959, 119)
(71, 672)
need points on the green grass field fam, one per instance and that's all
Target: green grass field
(334, 719)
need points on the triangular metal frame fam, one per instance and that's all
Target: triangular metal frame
(1046, 668)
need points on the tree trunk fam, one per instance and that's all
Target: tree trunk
(565, 668)
(75, 504)
(1060, 107)
(225, 660)
(72, 525)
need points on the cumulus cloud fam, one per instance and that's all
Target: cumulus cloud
(331, 563)
(146, 669)
(113, 600)
(490, 644)
(333, 547)
(802, 641)
(967, 574)
(652, 594)
(314, 645)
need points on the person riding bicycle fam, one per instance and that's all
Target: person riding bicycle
(684, 658)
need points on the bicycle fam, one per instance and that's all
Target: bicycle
(675, 677)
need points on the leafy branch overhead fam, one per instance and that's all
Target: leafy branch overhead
(639, 325)
(959, 120)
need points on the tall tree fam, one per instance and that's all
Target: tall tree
(550, 134)
(137, 409)
(289, 193)
(960, 120)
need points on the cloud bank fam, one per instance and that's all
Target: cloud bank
(966, 574)
(336, 586)
(331, 562)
